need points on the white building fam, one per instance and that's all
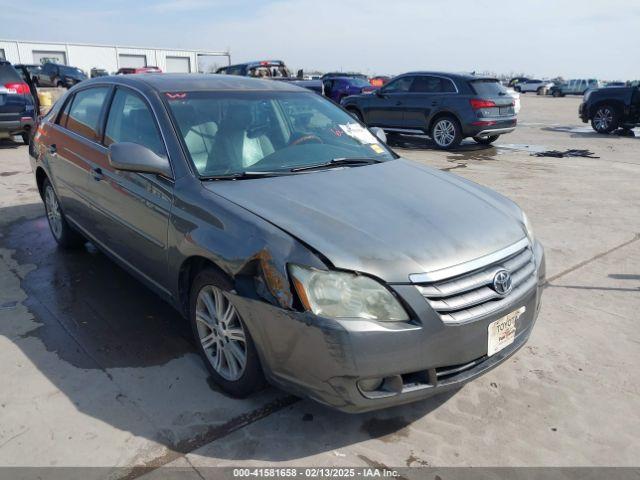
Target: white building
(111, 58)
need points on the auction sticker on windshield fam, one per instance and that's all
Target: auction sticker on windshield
(358, 132)
(502, 332)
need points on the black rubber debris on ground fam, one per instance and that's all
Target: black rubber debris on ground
(572, 152)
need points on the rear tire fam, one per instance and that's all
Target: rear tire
(221, 336)
(557, 94)
(446, 133)
(606, 119)
(25, 138)
(62, 232)
(486, 140)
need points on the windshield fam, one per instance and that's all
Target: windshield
(233, 132)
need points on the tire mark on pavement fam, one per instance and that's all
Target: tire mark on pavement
(577, 266)
(212, 434)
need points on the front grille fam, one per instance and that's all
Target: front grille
(467, 297)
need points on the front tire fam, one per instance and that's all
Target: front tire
(62, 232)
(605, 119)
(557, 94)
(222, 337)
(446, 133)
(486, 140)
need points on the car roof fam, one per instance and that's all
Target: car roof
(175, 82)
(458, 76)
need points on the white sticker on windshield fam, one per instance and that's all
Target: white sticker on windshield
(358, 132)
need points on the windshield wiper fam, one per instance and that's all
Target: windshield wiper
(243, 175)
(337, 162)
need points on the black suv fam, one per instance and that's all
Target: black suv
(447, 107)
(611, 108)
(17, 109)
(54, 75)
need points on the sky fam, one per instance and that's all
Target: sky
(545, 38)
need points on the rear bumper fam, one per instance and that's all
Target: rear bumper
(324, 359)
(17, 126)
(488, 126)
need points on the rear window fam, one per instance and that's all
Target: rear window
(8, 74)
(488, 87)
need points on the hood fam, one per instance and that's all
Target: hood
(388, 220)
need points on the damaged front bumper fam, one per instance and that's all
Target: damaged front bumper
(329, 360)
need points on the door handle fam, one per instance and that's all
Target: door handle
(434, 104)
(53, 150)
(97, 174)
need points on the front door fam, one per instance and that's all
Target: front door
(386, 106)
(131, 210)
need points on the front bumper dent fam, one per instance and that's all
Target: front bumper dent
(324, 359)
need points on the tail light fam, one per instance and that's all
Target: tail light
(20, 88)
(477, 103)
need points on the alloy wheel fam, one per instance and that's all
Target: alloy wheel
(221, 333)
(54, 216)
(603, 119)
(444, 132)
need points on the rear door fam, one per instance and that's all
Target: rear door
(424, 98)
(72, 146)
(131, 210)
(385, 108)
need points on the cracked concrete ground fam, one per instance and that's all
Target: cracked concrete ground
(96, 371)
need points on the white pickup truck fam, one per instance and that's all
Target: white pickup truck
(538, 86)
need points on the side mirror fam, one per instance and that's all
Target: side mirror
(379, 133)
(131, 157)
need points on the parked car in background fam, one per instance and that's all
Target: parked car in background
(336, 88)
(132, 70)
(33, 69)
(258, 69)
(448, 107)
(516, 80)
(577, 86)
(298, 245)
(55, 75)
(17, 107)
(379, 81)
(611, 108)
(98, 72)
(533, 85)
(329, 75)
(516, 99)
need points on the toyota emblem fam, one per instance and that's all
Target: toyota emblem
(502, 282)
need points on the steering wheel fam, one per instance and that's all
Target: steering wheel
(306, 139)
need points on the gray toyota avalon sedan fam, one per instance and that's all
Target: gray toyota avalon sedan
(302, 249)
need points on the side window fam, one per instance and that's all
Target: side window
(425, 84)
(64, 114)
(448, 86)
(85, 110)
(130, 120)
(400, 85)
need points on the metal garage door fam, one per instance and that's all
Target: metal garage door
(46, 56)
(132, 61)
(178, 64)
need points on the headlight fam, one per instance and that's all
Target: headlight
(528, 227)
(345, 295)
